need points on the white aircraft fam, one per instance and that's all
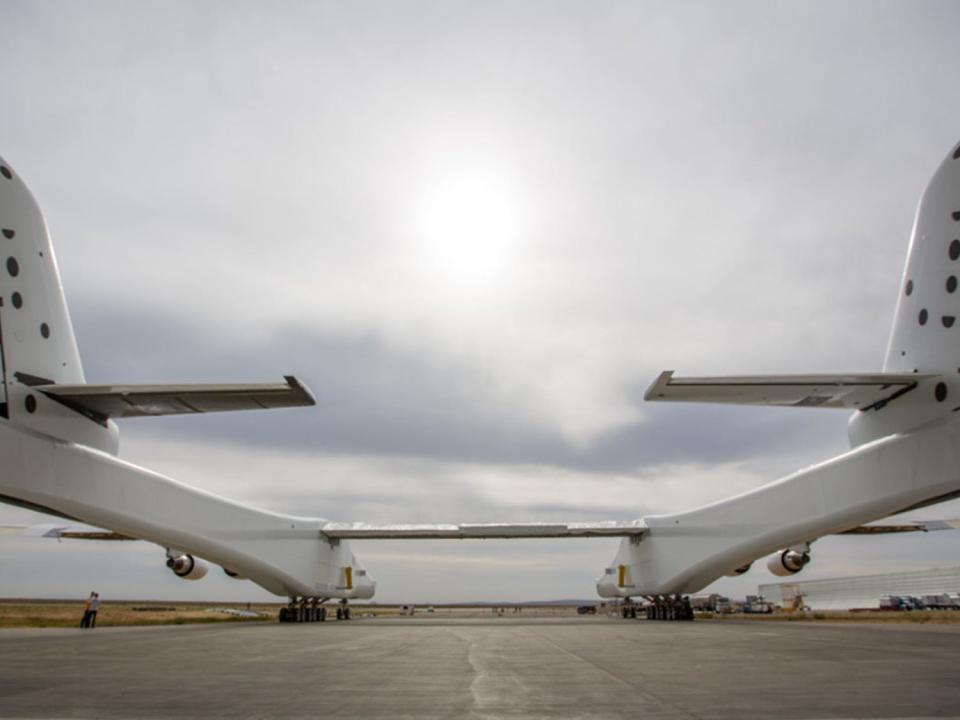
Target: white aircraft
(58, 441)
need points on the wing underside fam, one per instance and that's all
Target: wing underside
(851, 391)
(905, 526)
(464, 531)
(101, 402)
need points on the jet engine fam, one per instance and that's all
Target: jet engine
(788, 562)
(187, 566)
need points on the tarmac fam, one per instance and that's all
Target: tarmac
(485, 667)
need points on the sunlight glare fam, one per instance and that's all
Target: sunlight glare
(469, 228)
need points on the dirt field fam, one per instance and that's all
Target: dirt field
(62, 613)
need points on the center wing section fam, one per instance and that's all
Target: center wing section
(853, 392)
(464, 531)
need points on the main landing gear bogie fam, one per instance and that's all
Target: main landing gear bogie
(665, 607)
(311, 609)
(660, 607)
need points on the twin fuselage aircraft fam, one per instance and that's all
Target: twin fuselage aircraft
(59, 442)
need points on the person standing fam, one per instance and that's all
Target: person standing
(85, 622)
(94, 606)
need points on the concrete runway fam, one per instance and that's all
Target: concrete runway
(484, 668)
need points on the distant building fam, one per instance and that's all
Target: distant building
(863, 591)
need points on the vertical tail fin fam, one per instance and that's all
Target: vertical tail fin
(926, 326)
(925, 338)
(37, 344)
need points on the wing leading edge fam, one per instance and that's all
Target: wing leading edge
(101, 402)
(467, 531)
(851, 391)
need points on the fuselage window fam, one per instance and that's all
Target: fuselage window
(923, 317)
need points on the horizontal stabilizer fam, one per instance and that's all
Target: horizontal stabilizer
(853, 392)
(905, 526)
(101, 402)
(465, 531)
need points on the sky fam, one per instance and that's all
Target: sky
(477, 231)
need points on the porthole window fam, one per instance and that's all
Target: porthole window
(955, 215)
(5, 171)
(30, 403)
(17, 300)
(951, 283)
(940, 392)
(8, 233)
(947, 320)
(45, 329)
(923, 317)
(909, 287)
(13, 267)
(954, 249)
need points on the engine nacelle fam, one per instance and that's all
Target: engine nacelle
(787, 562)
(187, 566)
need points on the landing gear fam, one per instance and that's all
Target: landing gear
(304, 609)
(667, 607)
(343, 610)
(628, 610)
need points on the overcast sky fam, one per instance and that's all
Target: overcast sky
(477, 231)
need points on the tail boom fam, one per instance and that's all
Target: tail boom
(685, 552)
(284, 554)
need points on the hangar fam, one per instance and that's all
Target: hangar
(863, 591)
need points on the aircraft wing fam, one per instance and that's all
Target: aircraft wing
(905, 526)
(853, 392)
(464, 531)
(100, 402)
(71, 532)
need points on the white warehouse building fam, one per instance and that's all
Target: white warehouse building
(863, 591)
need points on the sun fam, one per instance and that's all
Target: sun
(469, 229)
